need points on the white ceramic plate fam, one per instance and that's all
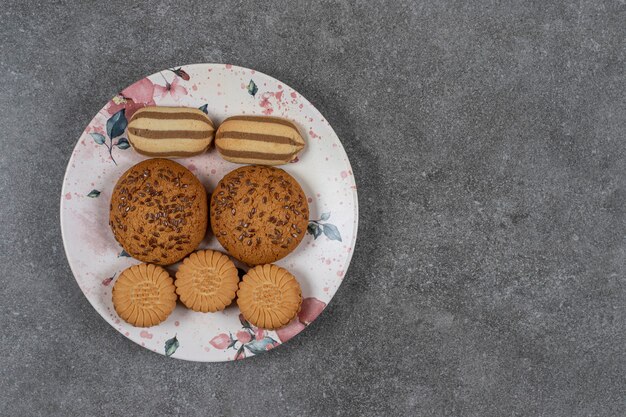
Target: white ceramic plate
(323, 170)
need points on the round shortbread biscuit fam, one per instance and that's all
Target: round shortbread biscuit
(144, 295)
(207, 281)
(269, 296)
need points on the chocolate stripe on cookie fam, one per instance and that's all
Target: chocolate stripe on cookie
(170, 134)
(170, 154)
(170, 131)
(172, 116)
(253, 155)
(256, 137)
(262, 119)
(258, 140)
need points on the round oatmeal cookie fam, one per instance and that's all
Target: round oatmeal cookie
(259, 214)
(158, 211)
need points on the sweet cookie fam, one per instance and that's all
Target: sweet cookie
(269, 296)
(259, 214)
(144, 295)
(158, 211)
(258, 140)
(170, 131)
(207, 281)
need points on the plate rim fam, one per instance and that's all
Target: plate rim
(64, 191)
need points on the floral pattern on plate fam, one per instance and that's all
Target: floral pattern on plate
(103, 153)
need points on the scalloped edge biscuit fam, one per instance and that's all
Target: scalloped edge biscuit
(207, 281)
(144, 295)
(269, 296)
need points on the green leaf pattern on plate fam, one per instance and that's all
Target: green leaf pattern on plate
(98, 138)
(316, 228)
(115, 126)
(109, 131)
(241, 353)
(260, 346)
(252, 88)
(331, 231)
(171, 345)
(122, 143)
(250, 338)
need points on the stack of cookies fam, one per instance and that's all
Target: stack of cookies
(159, 214)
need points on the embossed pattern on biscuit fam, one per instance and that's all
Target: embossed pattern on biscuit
(258, 140)
(269, 296)
(144, 295)
(207, 281)
(170, 131)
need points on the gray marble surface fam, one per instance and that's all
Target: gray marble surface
(488, 143)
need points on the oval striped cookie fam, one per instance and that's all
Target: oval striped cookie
(170, 131)
(258, 140)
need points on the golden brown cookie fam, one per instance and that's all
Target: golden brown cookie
(269, 296)
(259, 214)
(144, 295)
(158, 211)
(207, 281)
(258, 140)
(170, 131)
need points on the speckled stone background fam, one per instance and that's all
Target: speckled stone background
(488, 142)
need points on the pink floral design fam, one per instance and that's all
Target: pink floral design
(250, 338)
(90, 168)
(311, 308)
(132, 98)
(269, 100)
(265, 103)
(181, 73)
(290, 330)
(98, 129)
(173, 89)
(113, 106)
(107, 281)
(243, 336)
(259, 333)
(140, 92)
(221, 341)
